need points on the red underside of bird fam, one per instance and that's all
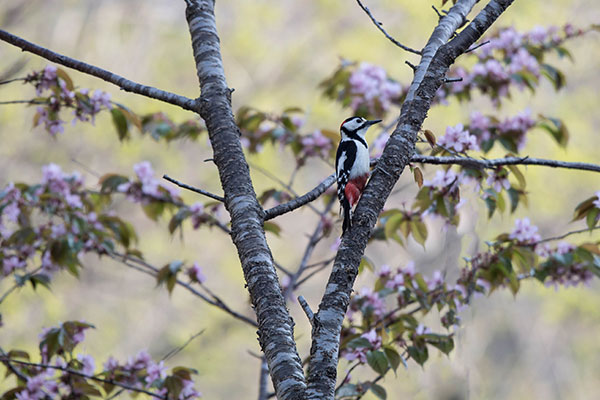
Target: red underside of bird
(354, 188)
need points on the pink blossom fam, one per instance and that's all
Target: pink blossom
(111, 364)
(316, 144)
(396, 283)
(195, 273)
(597, 200)
(458, 139)
(297, 121)
(436, 281)
(373, 338)
(409, 269)
(359, 354)
(461, 289)
(74, 200)
(12, 212)
(100, 99)
(368, 84)
(144, 171)
(442, 179)
(384, 271)
(485, 285)
(563, 248)
(156, 371)
(88, 364)
(188, 391)
(9, 264)
(422, 330)
(524, 232)
(498, 181)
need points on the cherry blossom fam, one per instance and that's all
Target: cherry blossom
(524, 232)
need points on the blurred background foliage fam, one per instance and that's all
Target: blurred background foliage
(541, 344)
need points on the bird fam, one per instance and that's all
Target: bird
(352, 165)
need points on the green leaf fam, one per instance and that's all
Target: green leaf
(110, 182)
(418, 353)
(378, 391)
(120, 122)
(520, 178)
(359, 342)
(378, 361)
(392, 224)
(365, 262)
(62, 74)
(178, 218)
(154, 209)
(393, 357)
(592, 217)
(272, 227)
(347, 390)
(554, 75)
(419, 231)
(556, 128)
(442, 342)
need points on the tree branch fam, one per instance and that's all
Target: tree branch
(497, 162)
(81, 374)
(301, 200)
(194, 189)
(378, 25)
(275, 325)
(435, 61)
(123, 83)
(148, 269)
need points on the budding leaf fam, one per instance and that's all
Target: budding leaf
(418, 177)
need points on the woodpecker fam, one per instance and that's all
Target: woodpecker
(352, 165)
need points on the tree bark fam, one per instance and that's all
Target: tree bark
(275, 326)
(438, 55)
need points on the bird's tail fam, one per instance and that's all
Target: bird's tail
(347, 209)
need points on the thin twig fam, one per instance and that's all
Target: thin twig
(142, 266)
(451, 80)
(378, 25)
(81, 374)
(178, 349)
(22, 102)
(194, 189)
(498, 162)
(315, 238)
(477, 46)
(411, 65)
(263, 379)
(301, 200)
(551, 239)
(123, 83)
(309, 313)
(11, 80)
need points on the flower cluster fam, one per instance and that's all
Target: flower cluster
(315, 144)
(148, 188)
(53, 377)
(458, 139)
(371, 91)
(72, 228)
(511, 58)
(55, 90)
(524, 232)
(511, 132)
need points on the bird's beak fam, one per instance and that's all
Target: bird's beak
(373, 122)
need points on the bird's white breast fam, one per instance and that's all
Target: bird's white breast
(362, 164)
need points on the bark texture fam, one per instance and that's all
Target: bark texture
(438, 55)
(275, 326)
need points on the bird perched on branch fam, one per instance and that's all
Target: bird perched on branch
(352, 165)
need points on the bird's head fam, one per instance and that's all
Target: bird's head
(356, 126)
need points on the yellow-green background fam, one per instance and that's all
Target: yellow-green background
(543, 344)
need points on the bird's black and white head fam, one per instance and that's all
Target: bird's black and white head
(356, 126)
